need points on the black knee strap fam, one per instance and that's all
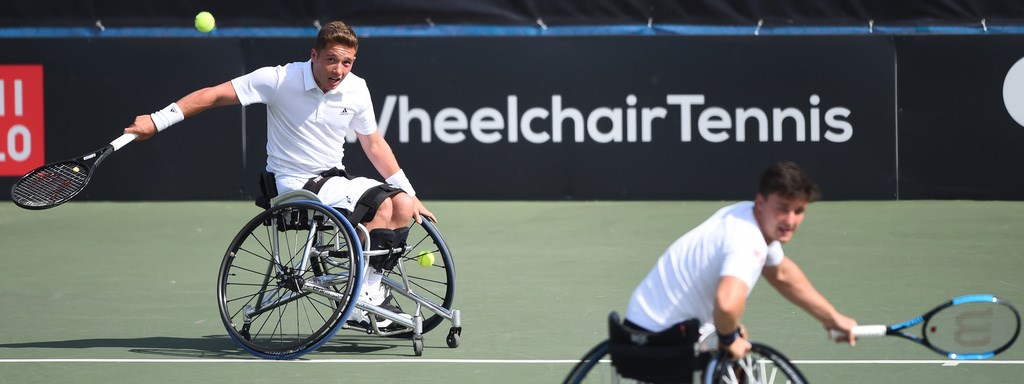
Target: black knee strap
(366, 206)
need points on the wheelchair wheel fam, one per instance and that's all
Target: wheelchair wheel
(288, 278)
(589, 369)
(435, 282)
(762, 365)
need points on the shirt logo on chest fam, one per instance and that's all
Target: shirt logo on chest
(760, 257)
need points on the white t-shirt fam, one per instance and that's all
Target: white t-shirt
(683, 283)
(306, 127)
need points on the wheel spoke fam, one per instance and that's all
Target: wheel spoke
(266, 304)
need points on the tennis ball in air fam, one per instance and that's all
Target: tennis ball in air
(205, 22)
(75, 169)
(425, 258)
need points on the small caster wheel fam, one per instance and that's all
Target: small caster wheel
(245, 333)
(417, 345)
(453, 338)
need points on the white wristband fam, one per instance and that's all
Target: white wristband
(167, 117)
(401, 181)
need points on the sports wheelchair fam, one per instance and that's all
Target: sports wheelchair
(292, 277)
(677, 355)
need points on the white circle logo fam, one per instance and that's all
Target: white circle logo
(1013, 92)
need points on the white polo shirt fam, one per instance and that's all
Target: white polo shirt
(683, 283)
(306, 127)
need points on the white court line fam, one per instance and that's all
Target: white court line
(468, 361)
(948, 363)
(320, 360)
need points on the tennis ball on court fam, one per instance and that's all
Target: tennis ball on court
(205, 22)
(425, 258)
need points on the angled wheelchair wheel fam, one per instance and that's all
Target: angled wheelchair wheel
(590, 369)
(434, 282)
(762, 365)
(288, 279)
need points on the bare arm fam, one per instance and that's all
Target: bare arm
(191, 105)
(730, 303)
(383, 159)
(793, 284)
(380, 154)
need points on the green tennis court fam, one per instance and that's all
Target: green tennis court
(99, 292)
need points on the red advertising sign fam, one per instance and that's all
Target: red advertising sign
(21, 119)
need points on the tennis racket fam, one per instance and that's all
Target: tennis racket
(55, 183)
(972, 327)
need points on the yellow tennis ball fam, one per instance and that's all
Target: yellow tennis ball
(75, 169)
(425, 258)
(205, 22)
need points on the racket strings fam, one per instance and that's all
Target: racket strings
(49, 185)
(974, 328)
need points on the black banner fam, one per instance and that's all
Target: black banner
(118, 13)
(662, 117)
(94, 88)
(957, 137)
(640, 118)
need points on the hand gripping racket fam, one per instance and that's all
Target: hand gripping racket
(972, 327)
(55, 183)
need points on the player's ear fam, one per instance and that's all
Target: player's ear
(312, 54)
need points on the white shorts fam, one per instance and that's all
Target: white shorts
(338, 192)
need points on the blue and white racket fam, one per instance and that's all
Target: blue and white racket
(971, 327)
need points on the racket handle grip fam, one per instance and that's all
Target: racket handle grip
(123, 140)
(861, 331)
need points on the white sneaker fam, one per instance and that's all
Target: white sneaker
(374, 293)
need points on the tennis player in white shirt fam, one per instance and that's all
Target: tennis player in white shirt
(311, 107)
(709, 272)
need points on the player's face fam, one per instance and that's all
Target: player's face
(331, 65)
(779, 216)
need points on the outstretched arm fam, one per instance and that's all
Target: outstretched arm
(793, 284)
(190, 105)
